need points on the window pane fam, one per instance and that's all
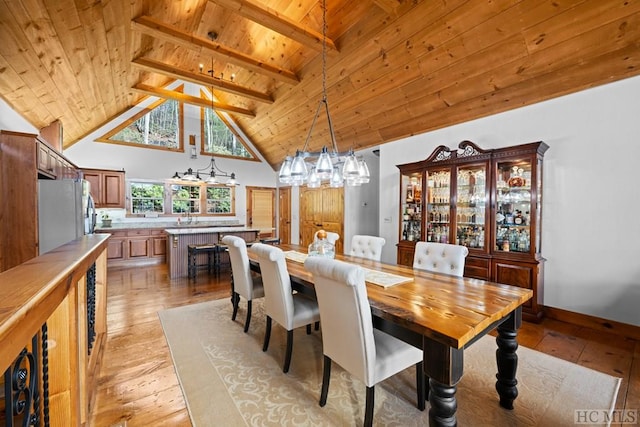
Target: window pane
(219, 200)
(159, 128)
(146, 197)
(185, 199)
(218, 138)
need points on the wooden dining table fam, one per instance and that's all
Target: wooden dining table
(441, 314)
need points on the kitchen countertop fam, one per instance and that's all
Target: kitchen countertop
(167, 224)
(191, 230)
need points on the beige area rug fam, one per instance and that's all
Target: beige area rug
(228, 381)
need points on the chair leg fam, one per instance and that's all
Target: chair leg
(267, 334)
(309, 329)
(236, 302)
(420, 386)
(368, 410)
(287, 356)
(326, 377)
(246, 323)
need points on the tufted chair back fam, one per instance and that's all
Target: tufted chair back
(369, 247)
(347, 328)
(331, 237)
(277, 283)
(440, 258)
(243, 281)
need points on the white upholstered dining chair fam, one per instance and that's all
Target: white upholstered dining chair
(331, 237)
(369, 247)
(246, 284)
(348, 335)
(440, 257)
(281, 304)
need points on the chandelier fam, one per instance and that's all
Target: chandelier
(216, 175)
(333, 166)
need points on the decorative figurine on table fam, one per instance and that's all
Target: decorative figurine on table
(321, 246)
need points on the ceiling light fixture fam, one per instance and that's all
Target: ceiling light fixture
(215, 173)
(347, 168)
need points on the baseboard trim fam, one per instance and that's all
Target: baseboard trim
(593, 322)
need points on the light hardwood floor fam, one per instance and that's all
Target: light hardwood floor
(138, 385)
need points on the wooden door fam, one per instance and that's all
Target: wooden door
(284, 209)
(261, 210)
(321, 208)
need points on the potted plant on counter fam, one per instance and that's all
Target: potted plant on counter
(106, 219)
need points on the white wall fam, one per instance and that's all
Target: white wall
(591, 202)
(144, 163)
(10, 120)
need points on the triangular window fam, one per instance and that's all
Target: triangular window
(159, 126)
(219, 136)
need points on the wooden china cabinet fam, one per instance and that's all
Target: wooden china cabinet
(487, 200)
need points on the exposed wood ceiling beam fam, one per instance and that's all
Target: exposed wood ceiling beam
(188, 99)
(223, 85)
(150, 26)
(281, 24)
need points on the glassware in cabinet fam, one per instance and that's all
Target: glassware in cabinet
(471, 206)
(438, 220)
(513, 206)
(411, 207)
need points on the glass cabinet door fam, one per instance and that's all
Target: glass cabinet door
(438, 206)
(513, 206)
(471, 206)
(411, 207)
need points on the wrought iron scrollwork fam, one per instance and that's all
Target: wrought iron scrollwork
(91, 307)
(22, 386)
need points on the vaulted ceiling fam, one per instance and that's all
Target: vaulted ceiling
(395, 68)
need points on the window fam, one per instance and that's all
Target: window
(146, 197)
(220, 200)
(159, 126)
(219, 137)
(180, 198)
(185, 198)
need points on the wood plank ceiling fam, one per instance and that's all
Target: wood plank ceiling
(394, 67)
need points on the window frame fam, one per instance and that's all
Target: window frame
(106, 138)
(190, 200)
(228, 123)
(168, 198)
(232, 199)
(147, 182)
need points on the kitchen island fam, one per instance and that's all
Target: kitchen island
(145, 242)
(179, 238)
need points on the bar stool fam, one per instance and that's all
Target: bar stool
(192, 255)
(271, 241)
(221, 257)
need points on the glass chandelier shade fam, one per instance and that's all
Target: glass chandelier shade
(332, 166)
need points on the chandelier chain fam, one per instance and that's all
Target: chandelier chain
(324, 50)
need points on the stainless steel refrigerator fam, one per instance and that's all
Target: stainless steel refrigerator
(62, 212)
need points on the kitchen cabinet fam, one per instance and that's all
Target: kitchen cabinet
(486, 200)
(22, 162)
(116, 245)
(136, 246)
(107, 187)
(52, 164)
(18, 198)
